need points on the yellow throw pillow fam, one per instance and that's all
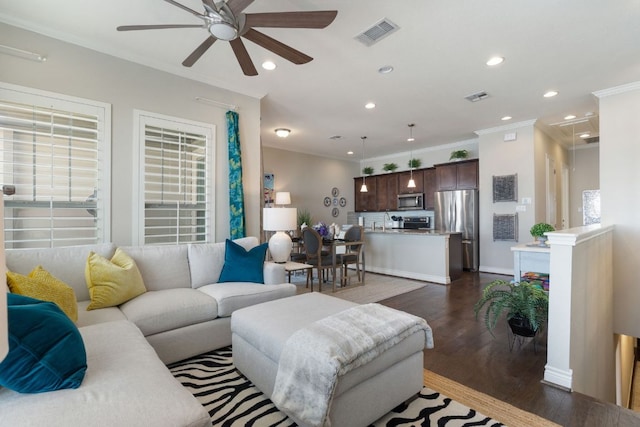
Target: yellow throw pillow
(112, 282)
(40, 284)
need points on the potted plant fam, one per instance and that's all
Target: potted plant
(367, 170)
(525, 304)
(414, 163)
(304, 217)
(390, 167)
(459, 155)
(538, 230)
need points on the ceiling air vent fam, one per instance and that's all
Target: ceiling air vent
(478, 96)
(376, 33)
(592, 140)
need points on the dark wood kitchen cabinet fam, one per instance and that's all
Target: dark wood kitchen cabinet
(365, 202)
(430, 187)
(462, 175)
(387, 192)
(403, 181)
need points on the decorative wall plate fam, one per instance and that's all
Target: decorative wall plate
(343, 202)
(327, 201)
(335, 212)
(335, 192)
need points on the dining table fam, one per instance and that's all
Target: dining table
(334, 245)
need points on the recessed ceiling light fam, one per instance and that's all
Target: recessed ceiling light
(584, 135)
(268, 65)
(385, 70)
(350, 153)
(282, 132)
(550, 94)
(495, 61)
(370, 105)
(505, 118)
(569, 117)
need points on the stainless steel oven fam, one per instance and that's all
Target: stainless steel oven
(410, 201)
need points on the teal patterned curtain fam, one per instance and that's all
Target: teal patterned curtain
(236, 192)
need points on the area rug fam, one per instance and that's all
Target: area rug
(232, 400)
(377, 288)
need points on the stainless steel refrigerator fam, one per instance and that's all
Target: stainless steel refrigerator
(457, 211)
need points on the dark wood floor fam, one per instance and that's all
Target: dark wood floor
(465, 352)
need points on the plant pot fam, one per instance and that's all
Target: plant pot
(520, 326)
(542, 240)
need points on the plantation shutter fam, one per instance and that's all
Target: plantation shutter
(176, 189)
(52, 156)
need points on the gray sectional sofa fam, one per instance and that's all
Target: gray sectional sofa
(183, 313)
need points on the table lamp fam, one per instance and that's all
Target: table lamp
(280, 220)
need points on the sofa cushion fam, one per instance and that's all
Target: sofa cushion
(160, 311)
(206, 260)
(41, 285)
(67, 263)
(125, 385)
(46, 351)
(112, 282)
(241, 265)
(232, 296)
(162, 266)
(91, 317)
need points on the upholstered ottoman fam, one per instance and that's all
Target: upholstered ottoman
(262, 334)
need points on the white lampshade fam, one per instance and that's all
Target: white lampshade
(4, 326)
(280, 220)
(283, 198)
(412, 183)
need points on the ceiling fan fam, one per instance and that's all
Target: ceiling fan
(226, 21)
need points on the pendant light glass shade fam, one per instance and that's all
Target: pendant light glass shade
(412, 183)
(363, 189)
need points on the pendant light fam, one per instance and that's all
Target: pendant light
(412, 183)
(363, 189)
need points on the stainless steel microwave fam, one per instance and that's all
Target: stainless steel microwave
(410, 201)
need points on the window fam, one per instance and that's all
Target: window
(174, 187)
(55, 151)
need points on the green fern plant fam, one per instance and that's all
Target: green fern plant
(524, 299)
(367, 170)
(414, 163)
(390, 167)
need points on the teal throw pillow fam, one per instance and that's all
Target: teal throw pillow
(46, 351)
(241, 265)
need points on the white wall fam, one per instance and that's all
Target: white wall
(584, 174)
(620, 197)
(499, 158)
(76, 71)
(310, 179)
(547, 147)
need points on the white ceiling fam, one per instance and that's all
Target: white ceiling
(573, 46)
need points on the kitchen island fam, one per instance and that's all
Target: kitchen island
(415, 254)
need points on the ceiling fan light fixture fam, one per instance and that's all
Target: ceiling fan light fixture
(223, 31)
(282, 132)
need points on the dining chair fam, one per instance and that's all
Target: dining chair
(353, 253)
(319, 259)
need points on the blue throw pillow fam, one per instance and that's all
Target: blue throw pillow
(241, 265)
(46, 351)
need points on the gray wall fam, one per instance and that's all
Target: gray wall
(76, 71)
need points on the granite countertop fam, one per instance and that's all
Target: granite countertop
(420, 231)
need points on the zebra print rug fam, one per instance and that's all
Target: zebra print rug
(232, 400)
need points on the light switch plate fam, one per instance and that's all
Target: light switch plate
(521, 208)
(512, 136)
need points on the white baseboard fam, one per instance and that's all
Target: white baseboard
(560, 377)
(496, 270)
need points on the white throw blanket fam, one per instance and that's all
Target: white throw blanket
(314, 357)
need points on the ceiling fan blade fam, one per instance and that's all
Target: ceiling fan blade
(210, 6)
(243, 58)
(238, 6)
(185, 8)
(200, 50)
(314, 19)
(280, 49)
(157, 27)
